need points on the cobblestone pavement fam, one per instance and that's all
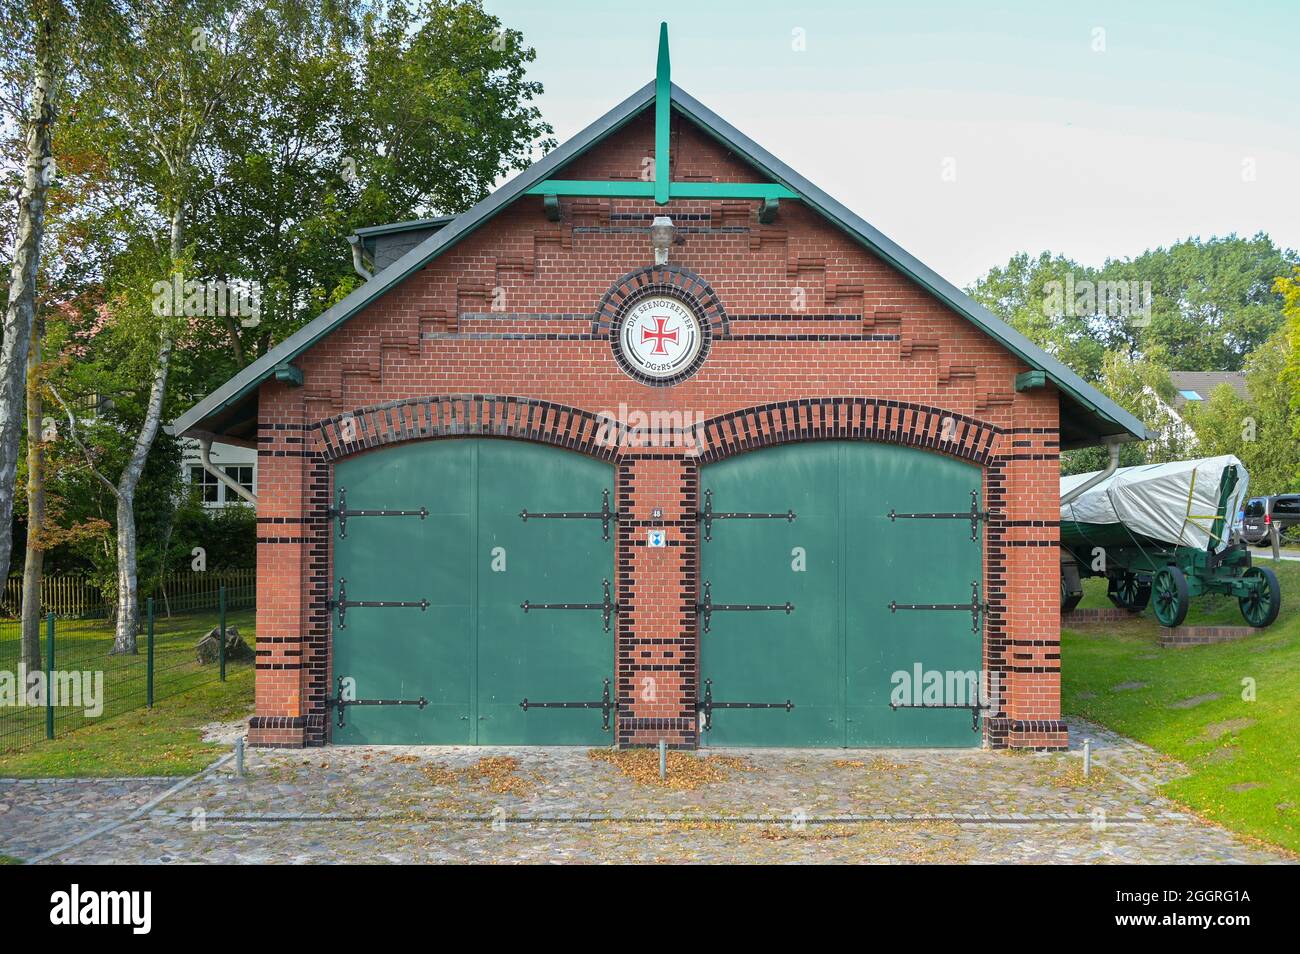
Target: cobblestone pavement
(556, 805)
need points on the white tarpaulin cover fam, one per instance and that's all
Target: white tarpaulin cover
(1175, 503)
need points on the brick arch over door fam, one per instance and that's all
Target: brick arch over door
(847, 418)
(520, 418)
(468, 415)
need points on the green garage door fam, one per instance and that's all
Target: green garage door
(434, 564)
(871, 596)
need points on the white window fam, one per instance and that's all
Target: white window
(241, 474)
(209, 489)
(216, 494)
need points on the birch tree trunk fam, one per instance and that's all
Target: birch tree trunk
(33, 567)
(28, 233)
(128, 600)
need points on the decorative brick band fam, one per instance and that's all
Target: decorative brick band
(1002, 726)
(277, 722)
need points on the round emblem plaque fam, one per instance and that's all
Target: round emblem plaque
(660, 339)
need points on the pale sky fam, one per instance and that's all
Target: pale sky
(1094, 129)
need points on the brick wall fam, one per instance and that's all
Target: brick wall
(812, 338)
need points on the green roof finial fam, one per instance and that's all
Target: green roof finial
(663, 109)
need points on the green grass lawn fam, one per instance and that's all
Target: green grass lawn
(1190, 705)
(129, 739)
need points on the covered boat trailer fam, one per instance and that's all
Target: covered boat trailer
(1141, 570)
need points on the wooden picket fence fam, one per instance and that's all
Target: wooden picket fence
(75, 597)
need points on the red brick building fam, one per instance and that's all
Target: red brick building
(563, 473)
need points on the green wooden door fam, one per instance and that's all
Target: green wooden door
(473, 654)
(544, 655)
(767, 656)
(841, 563)
(909, 561)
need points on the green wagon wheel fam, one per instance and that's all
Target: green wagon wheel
(1169, 595)
(1129, 592)
(1260, 606)
(1136, 593)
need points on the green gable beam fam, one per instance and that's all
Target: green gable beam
(626, 189)
(606, 188)
(731, 190)
(1031, 380)
(663, 111)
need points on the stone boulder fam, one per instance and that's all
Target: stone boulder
(236, 649)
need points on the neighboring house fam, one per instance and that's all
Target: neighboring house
(1194, 386)
(239, 463)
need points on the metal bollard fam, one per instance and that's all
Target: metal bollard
(663, 759)
(1087, 757)
(239, 756)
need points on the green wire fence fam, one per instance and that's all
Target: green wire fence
(67, 677)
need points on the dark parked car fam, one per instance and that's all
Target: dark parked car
(1260, 513)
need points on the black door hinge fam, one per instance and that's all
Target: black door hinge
(706, 607)
(708, 515)
(606, 705)
(974, 607)
(341, 512)
(974, 515)
(707, 705)
(605, 515)
(607, 606)
(341, 703)
(342, 603)
(974, 707)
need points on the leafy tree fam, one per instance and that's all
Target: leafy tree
(1210, 303)
(33, 84)
(1289, 288)
(1030, 294)
(228, 535)
(1261, 430)
(1213, 302)
(416, 109)
(240, 141)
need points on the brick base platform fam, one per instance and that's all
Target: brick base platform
(1183, 636)
(1108, 614)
